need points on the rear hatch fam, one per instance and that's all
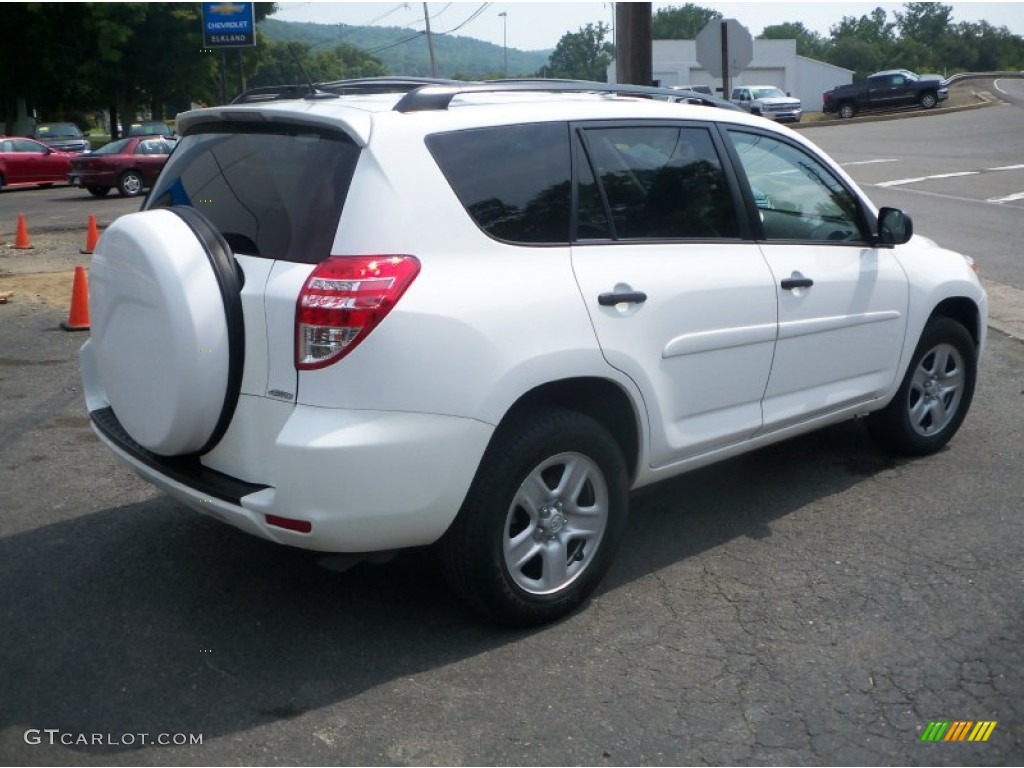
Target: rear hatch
(194, 300)
(275, 193)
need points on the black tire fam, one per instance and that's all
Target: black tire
(130, 184)
(928, 100)
(2, 182)
(935, 395)
(846, 110)
(504, 553)
(98, 191)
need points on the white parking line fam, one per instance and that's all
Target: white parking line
(870, 162)
(1007, 199)
(899, 182)
(1007, 168)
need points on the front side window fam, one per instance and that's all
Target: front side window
(659, 182)
(514, 180)
(797, 197)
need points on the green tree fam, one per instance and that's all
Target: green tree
(583, 55)
(864, 44)
(808, 42)
(858, 55)
(289, 63)
(927, 23)
(874, 28)
(681, 23)
(129, 57)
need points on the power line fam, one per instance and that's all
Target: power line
(398, 7)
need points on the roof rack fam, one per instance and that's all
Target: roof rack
(432, 97)
(335, 88)
(427, 93)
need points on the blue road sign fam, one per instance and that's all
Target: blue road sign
(228, 25)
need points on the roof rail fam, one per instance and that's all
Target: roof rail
(272, 93)
(427, 93)
(335, 88)
(431, 97)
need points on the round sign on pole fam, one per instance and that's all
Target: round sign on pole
(740, 47)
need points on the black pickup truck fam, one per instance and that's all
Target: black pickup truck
(882, 90)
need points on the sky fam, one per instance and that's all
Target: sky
(535, 26)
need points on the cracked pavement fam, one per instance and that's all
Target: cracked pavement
(813, 603)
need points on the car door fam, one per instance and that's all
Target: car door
(22, 160)
(680, 297)
(881, 91)
(842, 301)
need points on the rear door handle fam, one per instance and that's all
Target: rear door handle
(789, 283)
(625, 297)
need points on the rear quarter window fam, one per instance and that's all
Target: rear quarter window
(275, 192)
(515, 181)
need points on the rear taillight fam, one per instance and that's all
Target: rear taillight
(343, 300)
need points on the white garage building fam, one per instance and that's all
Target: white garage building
(775, 62)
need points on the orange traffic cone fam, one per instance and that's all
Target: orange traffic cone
(91, 236)
(78, 316)
(21, 239)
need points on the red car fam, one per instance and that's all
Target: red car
(27, 161)
(130, 165)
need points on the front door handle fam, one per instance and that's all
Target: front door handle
(789, 283)
(625, 297)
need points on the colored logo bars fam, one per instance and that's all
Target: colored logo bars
(958, 730)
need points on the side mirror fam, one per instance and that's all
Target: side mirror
(894, 227)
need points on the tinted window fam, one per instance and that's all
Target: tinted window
(153, 147)
(661, 182)
(513, 180)
(275, 192)
(113, 148)
(797, 197)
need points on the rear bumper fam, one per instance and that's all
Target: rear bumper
(365, 481)
(92, 179)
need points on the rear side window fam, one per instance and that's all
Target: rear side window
(658, 182)
(274, 192)
(515, 180)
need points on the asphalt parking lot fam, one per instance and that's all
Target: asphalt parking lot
(813, 603)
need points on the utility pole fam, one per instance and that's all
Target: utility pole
(633, 43)
(504, 39)
(430, 42)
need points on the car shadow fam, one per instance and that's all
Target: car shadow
(148, 618)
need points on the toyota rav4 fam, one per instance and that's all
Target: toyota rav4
(477, 315)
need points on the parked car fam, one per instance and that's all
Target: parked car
(127, 165)
(886, 90)
(27, 161)
(66, 137)
(476, 316)
(768, 101)
(151, 128)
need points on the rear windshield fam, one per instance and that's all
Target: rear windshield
(275, 192)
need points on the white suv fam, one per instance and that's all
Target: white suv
(478, 315)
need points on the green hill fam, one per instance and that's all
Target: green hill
(457, 57)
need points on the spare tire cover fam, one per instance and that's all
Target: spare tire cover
(164, 322)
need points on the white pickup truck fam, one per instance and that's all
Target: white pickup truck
(768, 101)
